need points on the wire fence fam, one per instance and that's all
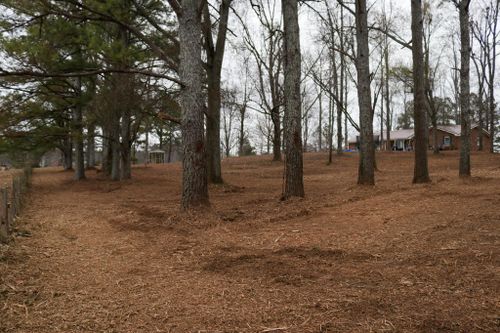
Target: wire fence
(12, 201)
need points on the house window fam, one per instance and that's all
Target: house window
(447, 140)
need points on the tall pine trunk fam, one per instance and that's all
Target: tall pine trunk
(294, 184)
(126, 91)
(90, 146)
(465, 115)
(366, 172)
(421, 171)
(78, 134)
(126, 146)
(67, 151)
(106, 152)
(194, 163)
(115, 150)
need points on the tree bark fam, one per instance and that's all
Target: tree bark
(346, 97)
(146, 144)
(429, 90)
(294, 184)
(241, 139)
(215, 57)
(382, 100)
(194, 162)
(78, 134)
(339, 112)
(492, 70)
(91, 146)
(320, 120)
(126, 145)
(275, 118)
(115, 149)
(340, 92)
(213, 128)
(331, 105)
(169, 152)
(388, 118)
(435, 134)
(421, 171)
(338, 105)
(106, 152)
(67, 152)
(465, 109)
(366, 172)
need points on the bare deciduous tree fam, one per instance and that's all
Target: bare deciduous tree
(269, 63)
(487, 36)
(215, 56)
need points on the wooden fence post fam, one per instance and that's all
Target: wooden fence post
(12, 203)
(20, 191)
(4, 215)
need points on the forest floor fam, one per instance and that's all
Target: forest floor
(101, 256)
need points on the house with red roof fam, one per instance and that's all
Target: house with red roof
(447, 138)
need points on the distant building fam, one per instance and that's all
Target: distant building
(448, 138)
(157, 156)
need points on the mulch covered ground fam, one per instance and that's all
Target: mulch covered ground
(101, 256)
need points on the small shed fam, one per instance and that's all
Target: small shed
(157, 156)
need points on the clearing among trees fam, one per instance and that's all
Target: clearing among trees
(101, 256)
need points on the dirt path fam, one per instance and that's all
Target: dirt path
(111, 257)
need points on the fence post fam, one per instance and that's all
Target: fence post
(10, 205)
(20, 192)
(4, 215)
(12, 202)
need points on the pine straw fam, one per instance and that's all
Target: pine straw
(109, 257)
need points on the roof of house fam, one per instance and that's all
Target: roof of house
(456, 129)
(402, 134)
(408, 134)
(452, 129)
